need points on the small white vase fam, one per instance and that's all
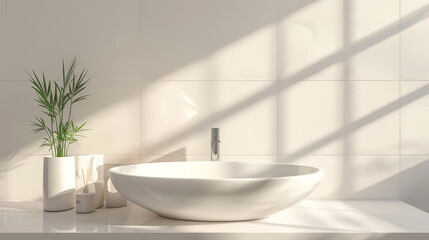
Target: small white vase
(99, 193)
(85, 202)
(95, 165)
(59, 183)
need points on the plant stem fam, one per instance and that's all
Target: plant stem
(54, 151)
(68, 121)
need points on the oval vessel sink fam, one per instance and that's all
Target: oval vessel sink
(215, 191)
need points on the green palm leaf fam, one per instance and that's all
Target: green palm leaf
(56, 102)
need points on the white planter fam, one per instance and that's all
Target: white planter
(59, 183)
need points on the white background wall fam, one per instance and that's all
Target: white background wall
(338, 84)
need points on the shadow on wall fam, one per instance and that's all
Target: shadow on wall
(284, 84)
(361, 122)
(187, 23)
(175, 156)
(343, 55)
(414, 183)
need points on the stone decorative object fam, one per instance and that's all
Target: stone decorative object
(113, 198)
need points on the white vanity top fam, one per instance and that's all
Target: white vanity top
(305, 217)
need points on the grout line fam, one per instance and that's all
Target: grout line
(415, 155)
(77, 155)
(272, 80)
(92, 80)
(140, 78)
(214, 80)
(350, 154)
(400, 101)
(277, 82)
(240, 80)
(7, 154)
(239, 154)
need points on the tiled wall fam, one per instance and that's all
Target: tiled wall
(338, 84)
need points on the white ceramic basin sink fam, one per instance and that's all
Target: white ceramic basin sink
(215, 191)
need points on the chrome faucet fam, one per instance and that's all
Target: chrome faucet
(215, 144)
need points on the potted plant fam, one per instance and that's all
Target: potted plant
(56, 101)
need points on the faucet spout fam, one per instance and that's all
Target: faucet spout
(215, 145)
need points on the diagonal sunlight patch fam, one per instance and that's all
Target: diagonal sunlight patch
(359, 46)
(191, 106)
(361, 122)
(295, 78)
(250, 57)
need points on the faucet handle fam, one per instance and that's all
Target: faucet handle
(215, 135)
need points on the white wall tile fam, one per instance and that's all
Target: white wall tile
(112, 113)
(20, 110)
(206, 40)
(3, 216)
(336, 117)
(177, 117)
(369, 17)
(354, 177)
(121, 159)
(415, 117)
(250, 158)
(3, 173)
(25, 177)
(414, 184)
(309, 34)
(178, 156)
(3, 141)
(103, 35)
(411, 7)
(309, 113)
(373, 37)
(332, 40)
(378, 62)
(2, 40)
(3, 155)
(414, 50)
(374, 117)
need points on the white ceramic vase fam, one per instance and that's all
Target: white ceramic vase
(59, 183)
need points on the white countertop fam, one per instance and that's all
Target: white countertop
(305, 217)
